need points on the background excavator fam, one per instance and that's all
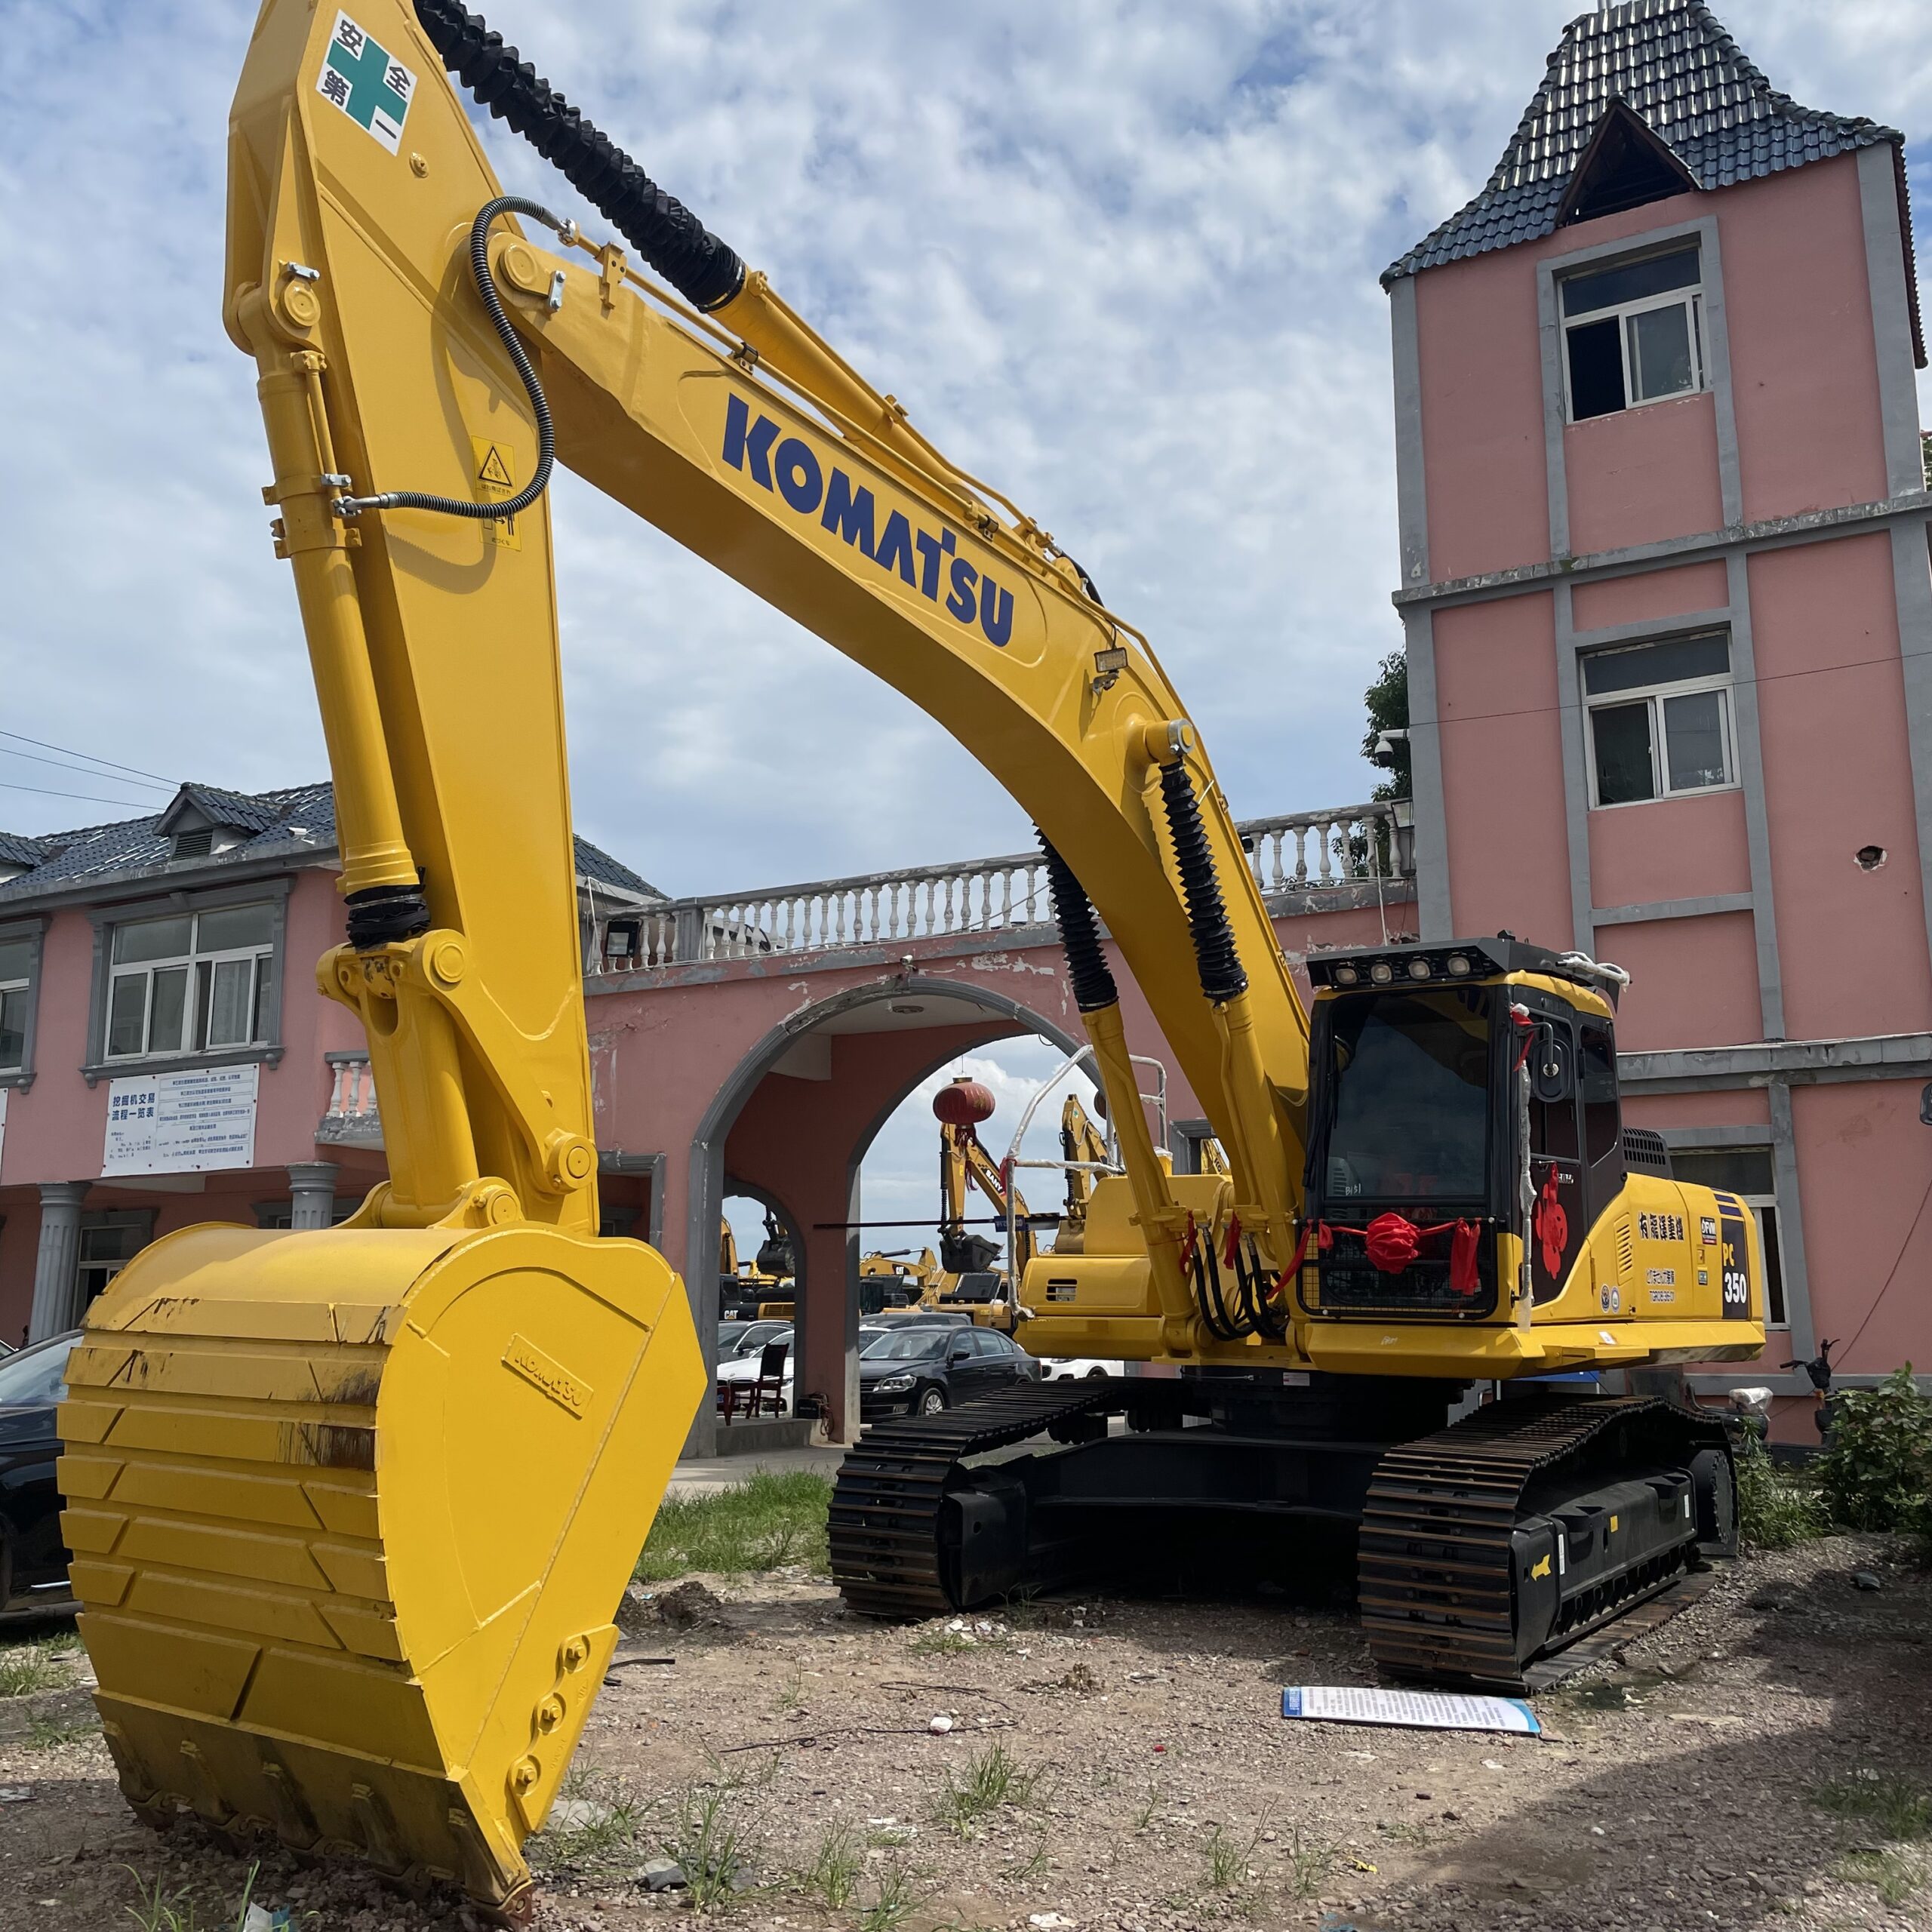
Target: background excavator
(977, 1274)
(351, 1509)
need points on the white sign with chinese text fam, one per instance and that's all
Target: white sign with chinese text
(182, 1123)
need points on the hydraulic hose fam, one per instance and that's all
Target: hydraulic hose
(1087, 966)
(1216, 960)
(546, 440)
(677, 245)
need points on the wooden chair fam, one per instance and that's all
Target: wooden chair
(766, 1395)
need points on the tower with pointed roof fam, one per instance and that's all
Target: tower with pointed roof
(1666, 593)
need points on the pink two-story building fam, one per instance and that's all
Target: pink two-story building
(1668, 610)
(165, 1057)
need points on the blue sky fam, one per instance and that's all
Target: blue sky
(1118, 258)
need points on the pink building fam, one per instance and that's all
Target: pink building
(1668, 610)
(165, 1056)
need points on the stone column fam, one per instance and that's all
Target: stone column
(312, 1185)
(56, 1284)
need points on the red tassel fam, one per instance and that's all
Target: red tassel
(1231, 1246)
(1463, 1258)
(1391, 1241)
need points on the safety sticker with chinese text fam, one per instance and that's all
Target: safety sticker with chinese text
(361, 79)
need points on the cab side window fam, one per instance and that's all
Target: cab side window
(1603, 1121)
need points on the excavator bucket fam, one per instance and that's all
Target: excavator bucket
(351, 1513)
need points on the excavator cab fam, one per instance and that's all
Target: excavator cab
(1468, 1164)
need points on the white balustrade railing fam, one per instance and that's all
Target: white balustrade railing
(353, 1118)
(1295, 854)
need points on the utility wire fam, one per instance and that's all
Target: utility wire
(1904, 1246)
(86, 771)
(95, 798)
(135, 770)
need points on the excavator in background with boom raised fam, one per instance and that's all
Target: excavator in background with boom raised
(351, 1509)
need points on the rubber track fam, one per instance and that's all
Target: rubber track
(884, 1521)
(1435, 1572)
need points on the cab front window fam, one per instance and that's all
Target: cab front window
(1410, 1112)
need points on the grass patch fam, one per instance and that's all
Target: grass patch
(710, 1842)
(1895, 1875)
(179, 1912)
(1224, 1859)
(992, 1779)
(761, 1525)
(28, 1667)
(894, 1902)
(1896, 1808)
(1774, 1513)
(606, 1838)
(833, 1874)
(47, 1734)
(1309, 1862)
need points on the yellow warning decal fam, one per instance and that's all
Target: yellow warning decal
(1613, 1522)
(496, 476)
(1542, 1566)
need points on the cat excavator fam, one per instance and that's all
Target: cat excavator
(351, 1509)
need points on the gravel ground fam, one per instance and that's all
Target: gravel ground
(1149, 1781)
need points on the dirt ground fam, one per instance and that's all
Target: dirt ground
(1125, 1765)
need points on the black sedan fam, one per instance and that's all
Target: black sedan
(33, 1562)
(923, 1368)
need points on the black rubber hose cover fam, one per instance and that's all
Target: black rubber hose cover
(701, 268)
(1216, 959)
(1087, 966)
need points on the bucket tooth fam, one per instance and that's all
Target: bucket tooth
(352, 1508)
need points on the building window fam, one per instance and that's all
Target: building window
(1633, 333)
(16, 965)
(110, 1238)
(1746, 1173)
(1659, 717)
(191, 983)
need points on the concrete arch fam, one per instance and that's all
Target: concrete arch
(705, 1185)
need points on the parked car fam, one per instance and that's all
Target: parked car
(917, 1317)
(33, 1561)
(1078, 1368)
(737, 1339)
(922, 1368)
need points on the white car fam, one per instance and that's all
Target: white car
(743, 1369)
(1077, 1368)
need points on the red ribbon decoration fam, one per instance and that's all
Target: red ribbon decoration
(1463, 1258)
(1231, 1247)
(1392, 1240)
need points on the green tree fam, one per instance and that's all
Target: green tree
(1388, 702)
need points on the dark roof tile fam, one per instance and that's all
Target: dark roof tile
(298, 815)
(1672, 62)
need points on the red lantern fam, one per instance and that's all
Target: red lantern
(964, 1103)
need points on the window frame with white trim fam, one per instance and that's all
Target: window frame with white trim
(1624, 300)
(210, 996)
(1625, 678)
(1686, 1164)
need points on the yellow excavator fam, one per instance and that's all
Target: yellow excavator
(1082, 1148)
(971, 1277)
(351, 1509)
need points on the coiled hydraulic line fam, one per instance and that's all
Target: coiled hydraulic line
(546, 439)
(1222, 977)
(677, 245)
